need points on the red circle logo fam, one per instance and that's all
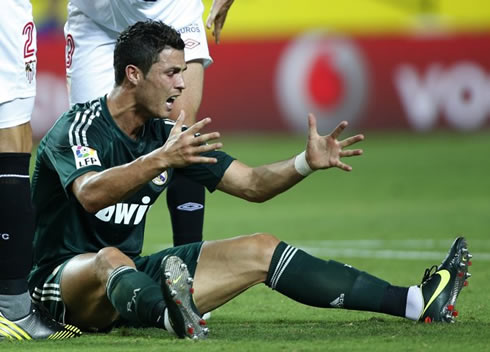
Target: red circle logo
(322, 74)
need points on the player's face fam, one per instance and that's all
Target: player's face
(163, 83)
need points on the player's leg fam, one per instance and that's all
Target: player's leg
(226, 268)
(174, 268)
(97, 288)
(17, 139)
(89, 57)
(191, 97)
(16, 213)
(185, 198)
(19, 319)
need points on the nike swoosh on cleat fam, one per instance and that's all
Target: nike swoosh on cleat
(445, 277)
(177, 279)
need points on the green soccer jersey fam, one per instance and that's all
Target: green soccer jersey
(84, 139)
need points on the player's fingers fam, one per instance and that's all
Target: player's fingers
(203, 139)
(195, 128)
(338, 130)
(211, 16)
(353, 152)
(203, 160)
(217, 32)
(312, 129)
(343, 166)
(351, 140)
(208, 147)
(209, 22)
(178, 123)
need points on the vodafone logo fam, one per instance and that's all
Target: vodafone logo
(324, 75)
(459, 92)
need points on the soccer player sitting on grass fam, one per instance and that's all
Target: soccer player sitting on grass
(106, 161)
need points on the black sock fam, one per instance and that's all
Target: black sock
(16, 223)
(185, 200)
(330, 284)
(136, 297)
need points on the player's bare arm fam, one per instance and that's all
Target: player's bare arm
(217, 16)
(97, 190)
(261, 183)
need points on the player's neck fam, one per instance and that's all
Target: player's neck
(123, 110)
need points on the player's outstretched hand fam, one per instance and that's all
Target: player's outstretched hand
(217, 15)
(184, 148)
(323, 152)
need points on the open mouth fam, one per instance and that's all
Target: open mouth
(170, 101)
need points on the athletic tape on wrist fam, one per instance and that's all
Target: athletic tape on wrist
(301, 165)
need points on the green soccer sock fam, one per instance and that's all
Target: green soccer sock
(136, 297)
(330, 284)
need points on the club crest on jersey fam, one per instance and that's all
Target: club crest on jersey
(160, 179)
(85, 156)
(30, 67)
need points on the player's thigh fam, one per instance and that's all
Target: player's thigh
(15, 127)
(84, 294)
(191, 97)
(228, 267)
(89, 61)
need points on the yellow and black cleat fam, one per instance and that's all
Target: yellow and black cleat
(442, 284)
(36, 325)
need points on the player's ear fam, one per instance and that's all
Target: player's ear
(133, 74)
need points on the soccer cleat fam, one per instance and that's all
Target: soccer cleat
(441, 287)
(36, 325)
(177, 290)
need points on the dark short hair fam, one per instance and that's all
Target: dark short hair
(141, 44)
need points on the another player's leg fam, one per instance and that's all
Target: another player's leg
(18, 318)
(185, 198)
(89, 57)
(185, 201)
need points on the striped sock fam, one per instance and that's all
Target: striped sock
(280, 260)
(330, 284)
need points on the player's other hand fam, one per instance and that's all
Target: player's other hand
(184, 148)
(323, 152)
(217, 15)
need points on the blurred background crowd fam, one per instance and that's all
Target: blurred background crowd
(417, 65)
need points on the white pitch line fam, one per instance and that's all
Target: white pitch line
(377, 249)
(384, 253)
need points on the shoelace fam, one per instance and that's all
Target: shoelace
(428, 273)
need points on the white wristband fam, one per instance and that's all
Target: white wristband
(301, 165)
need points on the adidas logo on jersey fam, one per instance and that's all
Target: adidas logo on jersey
(124, 213)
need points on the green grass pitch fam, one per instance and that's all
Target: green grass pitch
(394, 215)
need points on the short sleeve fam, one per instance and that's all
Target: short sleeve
(72, 162)
(74, 145)
(209, 175)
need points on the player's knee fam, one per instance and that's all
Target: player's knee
(264, 244)
(110, 258)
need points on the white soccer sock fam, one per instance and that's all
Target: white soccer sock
(166, 322)
(415, 303)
